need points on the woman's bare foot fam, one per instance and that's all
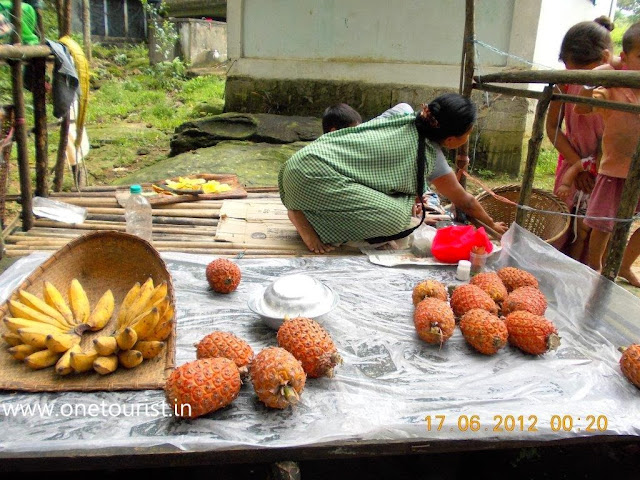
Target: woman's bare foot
(630, 277)
(307, 233)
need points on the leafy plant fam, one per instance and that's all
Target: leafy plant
(164, 31)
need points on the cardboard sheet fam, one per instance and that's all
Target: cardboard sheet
(258, 223)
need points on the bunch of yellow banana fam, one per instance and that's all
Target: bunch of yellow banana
(210, 186)
(144, 322)
(42, 332)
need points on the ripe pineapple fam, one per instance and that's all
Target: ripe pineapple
(490, 282)
(630, 363)
(434, 321)
(531, 333)
(429, 288)
(277, 377)
(306, 340)
(223, 275)
(515, 278)
(525, 298)
(226, 345)
(202, 386)
(483, 331)
(466, 297)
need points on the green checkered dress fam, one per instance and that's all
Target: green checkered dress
(358, 182)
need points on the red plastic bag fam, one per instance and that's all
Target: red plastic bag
(452, 244)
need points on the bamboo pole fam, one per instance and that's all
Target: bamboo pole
(629, 200)
(24, 52)
(537, 134)
(468, 69)
(62, 154)
(44, 240)
(203, 222)
(60, 11)
(5, 158)
(86, 29)
(20, 133)
(200, 213)
(66, 20)
(40, 114)
(40, 24)
(522, 92)
(64, 23)
(11, 253)
(121, 227)
(605, 78)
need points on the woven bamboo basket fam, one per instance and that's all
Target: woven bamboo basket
(100, 261)
(550, 227)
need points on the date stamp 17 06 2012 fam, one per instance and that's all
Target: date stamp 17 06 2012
(517, 423)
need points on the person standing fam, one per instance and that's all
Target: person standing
(585, 46)
(619, 141)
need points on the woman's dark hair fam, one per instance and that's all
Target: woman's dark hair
(449, 115)
(585, 42)
(339, 116)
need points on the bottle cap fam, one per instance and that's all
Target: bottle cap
(464, 270)
(135, 189)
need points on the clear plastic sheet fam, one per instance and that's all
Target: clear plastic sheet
(390, 381)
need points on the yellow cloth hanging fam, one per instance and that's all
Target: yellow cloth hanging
(82, 68)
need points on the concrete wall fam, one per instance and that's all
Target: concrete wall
(198, 40)
(298, 56)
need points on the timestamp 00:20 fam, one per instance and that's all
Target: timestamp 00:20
(518, 423)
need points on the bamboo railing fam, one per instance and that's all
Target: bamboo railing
(16, 55)
(631, 191)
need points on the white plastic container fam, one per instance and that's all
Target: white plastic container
(138, 214)
(463, 272)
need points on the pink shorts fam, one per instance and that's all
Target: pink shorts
(604, 202)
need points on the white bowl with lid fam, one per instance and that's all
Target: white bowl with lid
(295, 295)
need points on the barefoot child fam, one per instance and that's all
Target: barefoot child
(619, 141)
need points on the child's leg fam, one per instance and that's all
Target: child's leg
(576, 249)
(597, 245)
(307, 232)
(630, 255)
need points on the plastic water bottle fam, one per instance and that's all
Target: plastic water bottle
(138, 214)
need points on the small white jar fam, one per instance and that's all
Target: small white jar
(463, 272)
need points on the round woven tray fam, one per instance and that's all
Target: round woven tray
(550, 227)
(100, 261)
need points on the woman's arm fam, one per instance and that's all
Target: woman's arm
(449, 186)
